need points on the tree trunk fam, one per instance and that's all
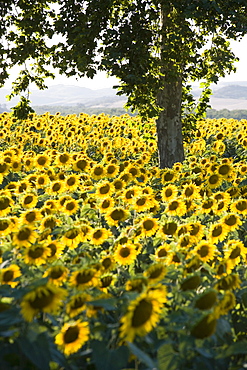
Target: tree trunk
(169, 125)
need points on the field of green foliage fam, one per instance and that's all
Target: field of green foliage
(108, 262)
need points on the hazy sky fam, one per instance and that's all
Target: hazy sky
(102, 81)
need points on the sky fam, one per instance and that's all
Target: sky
(101, 80)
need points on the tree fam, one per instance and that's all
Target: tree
(155, 48)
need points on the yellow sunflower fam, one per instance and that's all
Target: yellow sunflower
(239, 206)
(72, 182)
(175, 207)
(9, 274)
(231, 221)
(155, 272)
(24, 236)
(57, 274)
(36, 255)
(116, 215)
(217, 232)
(30, 217)
(214, 180)
(97, 172)
(234, 250)
(136, 284)
(106, 204)
(56, 248)
(131, 193)
(125, 254)
(190, 191)
(144, 203)
(205, 250)
(227, 303)
(29, 200)
(73, 336)
(104, 189)
(6, 226)
(149, 225)
(72, 237)
(99, 235)
(44, 298)
(143, 314)
(70, 207)
(6, 203)
(162, 252)
(84, 278)
(77, 304)
(167, 228)
(169, 192)
(55, 187)
(42, 161)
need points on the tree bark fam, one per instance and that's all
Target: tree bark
(169, 99)
(169, 125)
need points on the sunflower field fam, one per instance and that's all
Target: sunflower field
(108, 262)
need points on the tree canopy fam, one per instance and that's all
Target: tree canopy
(151, 46)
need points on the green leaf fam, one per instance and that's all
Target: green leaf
(167, 358)
(238, 348)
(9, 318)
(106, 359)
(37, 352)
(108, 304)
(142, 356)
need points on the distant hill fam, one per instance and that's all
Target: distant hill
(68, 95)
(231, 92)
(232, 96)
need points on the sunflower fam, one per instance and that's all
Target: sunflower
(231, 221)
(206, 300)
(214, 180)
(229, 282)
(72, 237)
(205, 250)
(6, 203)
(81, 164)
(131, 193)
(6, 226)
(111, 170)
(72, 336)
(55, 187)
(240, 207)
(36, 254)
(190, 191)
(97, 172)
(136, 284)
(62, 159)
(162, 252)
(168, 176)
(105, 281)
(220, 207)
(44, 298)
(125, 254)
(57, 274)
(107, 262)
(149, 225)
(224, 170)
(205, 327)
(84, 278)
(42, 161)
(143, 314)
(106, 204)
(144, 203)
(116, 215)
(196, 231)
(207, 206)
(176, 207)
(169, 192)
(29, 201)
(72, 182)
(56, 248)
(155, 272)
(77, 304)
(167, 228)
(233, 251)
(99, 235)
(104, 189)
(24, 236)
(227, 303)
(70, 207)
(31, 216)
(118, 184)
(217, 232)
(9, 274)
(49, 222)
